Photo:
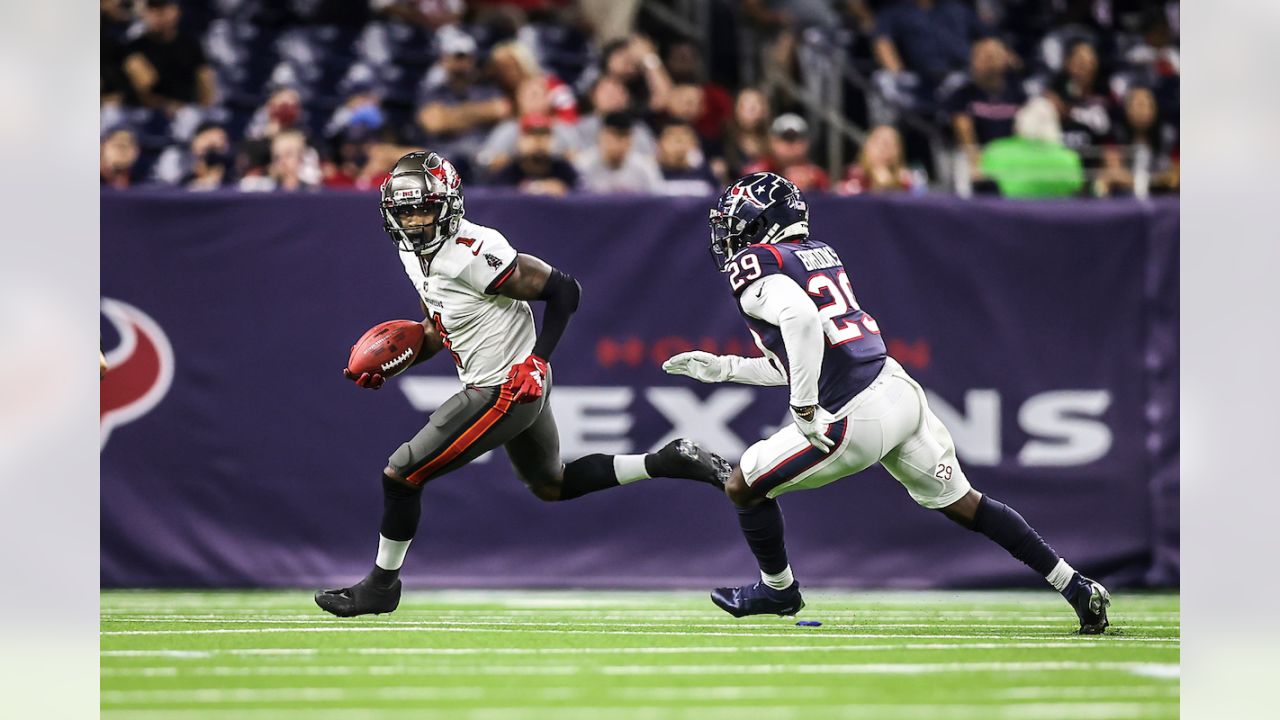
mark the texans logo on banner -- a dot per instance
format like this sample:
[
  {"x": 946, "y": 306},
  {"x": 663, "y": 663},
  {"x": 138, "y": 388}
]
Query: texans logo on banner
[{"x": 141, "y": 367}]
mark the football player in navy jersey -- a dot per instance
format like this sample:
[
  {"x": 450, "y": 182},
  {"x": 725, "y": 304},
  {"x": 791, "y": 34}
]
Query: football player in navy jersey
[{"x": 852, "y": 405}]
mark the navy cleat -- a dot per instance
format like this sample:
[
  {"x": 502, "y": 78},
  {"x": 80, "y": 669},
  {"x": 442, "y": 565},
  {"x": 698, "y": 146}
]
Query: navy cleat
[
  {"x": 758, "y": 599},
  {"x": 683, "y": 458},
  {"x": 366, "y": 597},
  {"x": 1090, "y": 601}
]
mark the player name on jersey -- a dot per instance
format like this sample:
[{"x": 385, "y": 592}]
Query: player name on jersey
[{"x": 818, "y": 258}]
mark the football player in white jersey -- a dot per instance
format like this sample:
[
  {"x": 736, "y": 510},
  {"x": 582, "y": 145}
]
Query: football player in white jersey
[
  {"x": 851, "y": 403},
  {"x": 475, "y": 289}
]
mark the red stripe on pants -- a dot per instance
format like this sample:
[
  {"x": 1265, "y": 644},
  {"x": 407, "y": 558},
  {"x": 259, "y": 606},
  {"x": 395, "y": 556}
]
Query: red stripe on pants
[{"x": 465, "y": 440}]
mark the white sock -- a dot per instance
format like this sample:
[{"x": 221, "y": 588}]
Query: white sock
[
  {"x": 781, "y": 581},
  {"x": 391, "y": 553},
  {"x": 1061, "y": 574},
  {"x": 629, "y": 468}
]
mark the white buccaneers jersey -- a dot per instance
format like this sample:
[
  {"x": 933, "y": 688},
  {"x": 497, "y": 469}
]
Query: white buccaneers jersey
[{"x": 486, "y": 332}]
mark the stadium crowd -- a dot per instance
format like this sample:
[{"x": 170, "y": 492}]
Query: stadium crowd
[{"x": 1032, "y": 98}]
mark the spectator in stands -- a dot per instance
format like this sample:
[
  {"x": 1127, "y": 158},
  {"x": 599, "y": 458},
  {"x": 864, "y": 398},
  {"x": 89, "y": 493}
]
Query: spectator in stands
[
  {"x": 1156, "y": 55},
  {"x": 880, "y": 167},
  {"x": 1072, "y": 21},
  {"x": 360, "y": 150},
  {"x": 1034, "y": 163},
  {"x": 362, "y": 106},
  {"x": 282, "y": 111},
  {"x": 1146, "y": 160},
  {"x": 531, "y": 99},
  {"x": 347, "y": 165},
  {"x": 686, "y": 103},
  {"x": 115, "y": 18},
  {"x": 1156, "y": 61},
  {"x": 537, "y": 169},
  {"x": 684, "y": 63},
  {"x": 429, "y": 14},
  {"x": 513, "y": 65},
  {"x": 613, "y": 166},
  {"x": 166, "y": 68},
  {"x": 1083, "y": 102},
  {"x": 608, "y": 96},
  {"x": 294, "y": 166},
  {"x": 458, "y": 113},
  {"x": 789, "y": 154},
  {"x": 747, "y": 137},
  {"x": 684, "y": 168},
  {"x": 119, "y": 154},
  {"x": 635, "y": 64},
  {"x": 982, "y": 109},
  {"x": 792, "y": 13},
  {"x": 210, "y": 158},
  {"x": 609, "y": 19},
  {"x": 927, "y": 37}
]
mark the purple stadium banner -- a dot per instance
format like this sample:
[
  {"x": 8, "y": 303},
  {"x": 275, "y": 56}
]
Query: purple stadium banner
[{"x": 235, "y": 454}]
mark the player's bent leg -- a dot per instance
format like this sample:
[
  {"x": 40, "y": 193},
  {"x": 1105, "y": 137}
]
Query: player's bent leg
[
  {"x": 925, "y": 463},
  {"x": 739, "y": 492},
  {"x": 1008, "y": 529},
  {"x": 763, "y": 527},
  {"x": 535, "y": 455},
  {"x": 760, "y": 519},
  {"x": 469, "y": 424}
]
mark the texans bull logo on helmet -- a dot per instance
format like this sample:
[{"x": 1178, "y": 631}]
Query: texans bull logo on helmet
[{"x": 141, "y": 367}]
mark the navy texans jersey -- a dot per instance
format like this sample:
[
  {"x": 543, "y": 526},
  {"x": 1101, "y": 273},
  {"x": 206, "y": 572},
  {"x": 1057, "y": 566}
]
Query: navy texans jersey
[{"x": 854, "y": 351}]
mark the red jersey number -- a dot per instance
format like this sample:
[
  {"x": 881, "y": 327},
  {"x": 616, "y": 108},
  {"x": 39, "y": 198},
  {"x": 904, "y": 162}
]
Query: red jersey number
[{"x": 444, "y": 337}]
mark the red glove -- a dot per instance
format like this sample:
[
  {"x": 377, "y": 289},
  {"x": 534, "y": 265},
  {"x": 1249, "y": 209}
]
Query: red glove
[
  {"x": 364, "y": 380},
  {"x": 527, "y": 379}
]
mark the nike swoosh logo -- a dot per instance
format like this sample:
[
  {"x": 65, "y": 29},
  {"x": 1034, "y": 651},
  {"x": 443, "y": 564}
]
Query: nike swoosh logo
[
  {"x": 759, "y": 291},
  {"x": 478, "y": 246}
]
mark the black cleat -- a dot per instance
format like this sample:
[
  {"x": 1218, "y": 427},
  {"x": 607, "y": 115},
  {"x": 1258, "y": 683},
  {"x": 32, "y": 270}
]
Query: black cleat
[
  {"x": 683, "y": 458},
  {"x": 364, "y": 598},
  {"x": 758, "y": 599},
  {"x": 1090, "y": 601}
]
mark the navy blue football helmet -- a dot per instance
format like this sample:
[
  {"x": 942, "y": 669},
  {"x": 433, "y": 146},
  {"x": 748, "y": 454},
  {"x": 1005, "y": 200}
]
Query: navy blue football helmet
[{"x": 759, "y": 208}]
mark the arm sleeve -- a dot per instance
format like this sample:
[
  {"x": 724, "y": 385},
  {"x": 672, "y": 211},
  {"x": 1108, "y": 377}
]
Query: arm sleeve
[
  {"x": 754, "y": 371},
  {"x": 561, "y": 294},
  {"x": 778, "y": 300}
]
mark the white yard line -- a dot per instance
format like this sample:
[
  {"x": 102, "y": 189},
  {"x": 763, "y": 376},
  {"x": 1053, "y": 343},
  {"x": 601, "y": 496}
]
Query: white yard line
[
  {"x": 503, "y": 622},
  {"x": 291, "y": 612},
  {"x": 1087, "y": 692},
  {"x": 571, "y": 669},
  {"x": 878, "y": 668},
  {"x": 762, "y": 711},
  {"x": 475, "y": 692},
  {"x": 340, "y": 628},
  {"x": 691, "y": 650}
]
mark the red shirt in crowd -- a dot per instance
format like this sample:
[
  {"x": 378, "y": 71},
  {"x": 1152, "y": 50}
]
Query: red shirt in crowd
[{"x": 807, "y": 175}]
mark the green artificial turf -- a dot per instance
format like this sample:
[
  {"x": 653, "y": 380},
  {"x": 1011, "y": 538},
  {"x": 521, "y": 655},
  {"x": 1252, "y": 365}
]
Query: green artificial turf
[{"x": 635, "y": 656}]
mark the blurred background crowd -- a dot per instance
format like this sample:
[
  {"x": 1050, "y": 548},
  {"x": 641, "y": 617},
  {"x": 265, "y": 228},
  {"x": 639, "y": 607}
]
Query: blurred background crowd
[{"x": 1022, "y": 98}]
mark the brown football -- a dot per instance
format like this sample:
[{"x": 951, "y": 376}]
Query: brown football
[{"x": 390, "y": 347}]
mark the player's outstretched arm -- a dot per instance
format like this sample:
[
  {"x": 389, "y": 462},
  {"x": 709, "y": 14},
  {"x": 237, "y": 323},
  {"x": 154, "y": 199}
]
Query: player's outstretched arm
[
  {"x": 710, "y": 368},
  {"x": 533, "y": 279}
]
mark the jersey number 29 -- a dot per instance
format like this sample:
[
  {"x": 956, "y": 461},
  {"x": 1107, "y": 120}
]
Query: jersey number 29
[
  {"x": 837, "y": 298},
  {"x": 743, "y": 271}
]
